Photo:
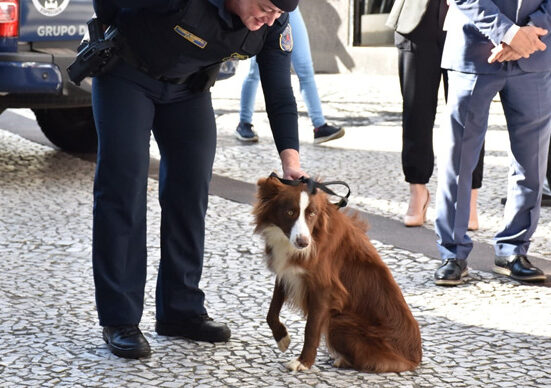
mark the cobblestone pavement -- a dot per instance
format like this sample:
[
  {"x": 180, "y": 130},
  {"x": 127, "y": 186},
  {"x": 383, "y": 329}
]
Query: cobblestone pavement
[{"x": 489, "y": 332}]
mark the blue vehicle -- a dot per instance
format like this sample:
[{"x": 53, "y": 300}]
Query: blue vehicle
[{"x": 38, "y": 40}]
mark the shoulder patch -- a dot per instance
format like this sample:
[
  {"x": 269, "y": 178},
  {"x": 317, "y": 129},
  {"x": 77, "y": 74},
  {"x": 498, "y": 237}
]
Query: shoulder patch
[{"x": 286, "y": 39}]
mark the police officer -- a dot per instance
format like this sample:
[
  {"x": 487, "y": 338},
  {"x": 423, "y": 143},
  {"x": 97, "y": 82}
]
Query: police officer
[{"x": 171, "y": 54}]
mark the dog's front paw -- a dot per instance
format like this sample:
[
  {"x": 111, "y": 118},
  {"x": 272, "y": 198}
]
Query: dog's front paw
[
  {"x": 283, "y": 343},
  {"x": 296, "y": 365}
]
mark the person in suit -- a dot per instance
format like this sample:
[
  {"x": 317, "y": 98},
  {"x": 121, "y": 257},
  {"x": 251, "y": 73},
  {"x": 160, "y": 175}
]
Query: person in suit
[
  {"x": 419, "y": 37},
  {"x": 494, "y": 46}
]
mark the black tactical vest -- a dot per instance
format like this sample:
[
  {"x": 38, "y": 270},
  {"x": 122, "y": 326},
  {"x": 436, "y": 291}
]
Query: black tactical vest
[{"x": 187, "y": 40}]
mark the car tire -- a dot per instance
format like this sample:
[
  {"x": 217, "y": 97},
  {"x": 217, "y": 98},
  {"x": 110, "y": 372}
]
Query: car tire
[{"x": 71, "y": 129}]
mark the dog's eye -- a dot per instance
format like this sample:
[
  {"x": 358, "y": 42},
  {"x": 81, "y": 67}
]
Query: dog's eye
[
  {"x": 290, "y": 212},
  {"x": 311, "y": 213}
]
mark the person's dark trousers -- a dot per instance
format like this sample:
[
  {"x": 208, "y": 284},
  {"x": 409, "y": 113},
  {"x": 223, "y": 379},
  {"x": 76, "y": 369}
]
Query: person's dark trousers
[
  {"x": 548, "y": 174},
  {"x": 127, "y": 106},
  {"x": 419, "y": 57},
  {"x": 478, "y": 172}
]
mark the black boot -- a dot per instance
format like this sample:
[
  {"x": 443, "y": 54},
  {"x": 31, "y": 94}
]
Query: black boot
[
  {"x": 199, "y": 328},
  {"x": 126, "y": 341}
]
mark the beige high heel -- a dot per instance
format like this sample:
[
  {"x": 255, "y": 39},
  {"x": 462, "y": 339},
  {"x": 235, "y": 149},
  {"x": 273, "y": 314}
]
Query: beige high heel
[{"x": 419, "y": 218}]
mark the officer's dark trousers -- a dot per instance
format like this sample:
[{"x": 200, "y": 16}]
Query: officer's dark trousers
[
  {"x": 419, "y": 57},
  {"x": 128, "y": 105}
]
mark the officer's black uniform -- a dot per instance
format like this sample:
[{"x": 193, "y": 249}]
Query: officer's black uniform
[{"x": 172, "y": 51}]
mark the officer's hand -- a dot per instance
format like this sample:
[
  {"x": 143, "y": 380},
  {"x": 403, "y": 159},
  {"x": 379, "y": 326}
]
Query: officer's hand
[
  {"x": 294, "y": 174},
  {"x": 290, "y": 161}
]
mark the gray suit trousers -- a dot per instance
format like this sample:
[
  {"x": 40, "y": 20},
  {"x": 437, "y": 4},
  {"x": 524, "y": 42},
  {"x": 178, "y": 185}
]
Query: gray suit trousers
[{"x": 526, "y": 100}]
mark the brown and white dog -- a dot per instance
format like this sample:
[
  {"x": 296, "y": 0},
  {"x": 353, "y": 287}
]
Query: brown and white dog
[{"x": 326, "y": 266}]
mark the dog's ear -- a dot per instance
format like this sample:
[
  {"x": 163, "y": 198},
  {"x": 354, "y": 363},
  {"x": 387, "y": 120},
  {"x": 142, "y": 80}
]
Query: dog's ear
[
  {"x": 268, "y": 188},
  {"x": 322, "y": 220}
]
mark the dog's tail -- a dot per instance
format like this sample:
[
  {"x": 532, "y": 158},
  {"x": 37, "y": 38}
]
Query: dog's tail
[{"x": 369, "y": 347}]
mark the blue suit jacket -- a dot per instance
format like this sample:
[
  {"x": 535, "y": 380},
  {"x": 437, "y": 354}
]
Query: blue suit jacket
[{"x": 479, "y": 25}]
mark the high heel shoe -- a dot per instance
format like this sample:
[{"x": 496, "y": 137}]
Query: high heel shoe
[{"x": 419, "y": 218}]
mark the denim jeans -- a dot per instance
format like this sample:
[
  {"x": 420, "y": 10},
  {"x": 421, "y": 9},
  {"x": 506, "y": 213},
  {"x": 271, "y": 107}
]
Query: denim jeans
[{"x": 301, "y": 60}]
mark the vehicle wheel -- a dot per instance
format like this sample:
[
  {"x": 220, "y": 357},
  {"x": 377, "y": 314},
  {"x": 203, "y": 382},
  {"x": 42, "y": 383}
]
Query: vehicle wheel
[{"x": 71, "y": 129}]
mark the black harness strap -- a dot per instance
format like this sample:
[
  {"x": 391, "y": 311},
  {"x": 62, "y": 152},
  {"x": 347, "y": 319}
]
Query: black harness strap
[{"x": 313, "y": 185}]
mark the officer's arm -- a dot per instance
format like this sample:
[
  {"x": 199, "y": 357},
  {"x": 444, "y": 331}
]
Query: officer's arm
[
  {"x": 275, "y": 74},
  {"x": 274, "y": 62}
]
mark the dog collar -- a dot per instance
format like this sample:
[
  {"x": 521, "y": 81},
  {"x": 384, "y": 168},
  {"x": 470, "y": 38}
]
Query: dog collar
[{"x": 313, "y": 185}]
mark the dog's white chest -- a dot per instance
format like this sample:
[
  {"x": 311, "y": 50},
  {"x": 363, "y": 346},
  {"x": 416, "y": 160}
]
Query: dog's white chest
[
  {"x": 293, "y": 282},
  {"x": 289, "y": 274}
]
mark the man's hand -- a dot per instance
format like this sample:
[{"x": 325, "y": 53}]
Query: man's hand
[
  {"x": 527, "y": 40},
  {"x": 290, "y": 161},
  {"x": 503, "y": 53}
]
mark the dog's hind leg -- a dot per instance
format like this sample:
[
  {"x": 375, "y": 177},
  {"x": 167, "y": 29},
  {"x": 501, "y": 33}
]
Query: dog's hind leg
[
  {"x": 364, "y": 348},
  {"x": 372, "y": 355},
  {"x": 279, "y": 331},
  {"x": 340, "y": 362}
]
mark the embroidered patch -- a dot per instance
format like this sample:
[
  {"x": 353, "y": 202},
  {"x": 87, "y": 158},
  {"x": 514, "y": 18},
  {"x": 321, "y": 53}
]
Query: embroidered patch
[
  {"x": 286, "y": 39},
  {"x": 190, "y": 37}
]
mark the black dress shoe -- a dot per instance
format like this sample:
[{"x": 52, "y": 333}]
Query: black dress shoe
[
  {"x": 451, "y": 273},
  {"x": 126, "y": 341},
  {"x": 519, "y": 268},
  {"x": 199, "y": 328}
]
